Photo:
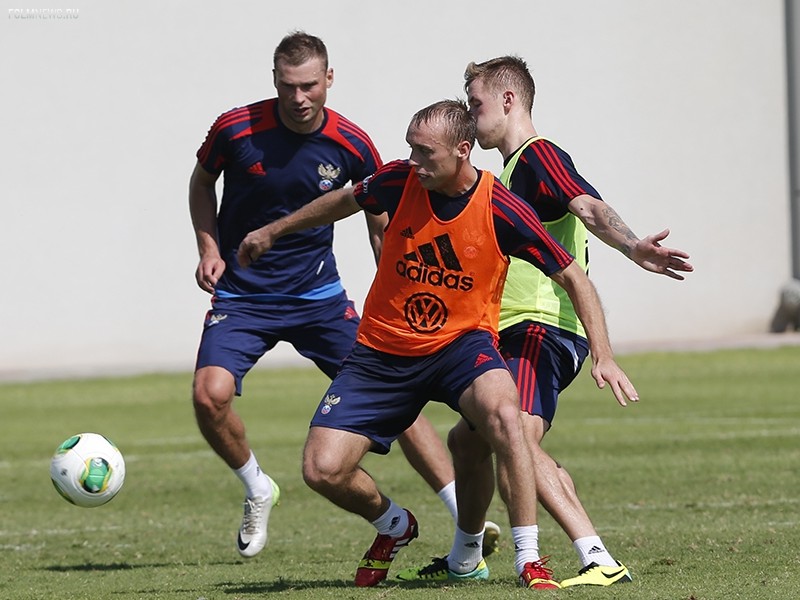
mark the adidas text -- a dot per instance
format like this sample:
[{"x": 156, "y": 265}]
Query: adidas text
[{"x": 434, "y": 277}]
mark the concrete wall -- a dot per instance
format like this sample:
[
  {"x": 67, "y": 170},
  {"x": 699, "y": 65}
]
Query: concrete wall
[{"x": 674, "y": 110}]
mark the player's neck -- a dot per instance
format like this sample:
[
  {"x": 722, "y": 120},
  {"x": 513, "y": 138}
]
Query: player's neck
[
  {"x": 463, "y": 181},
  {"x": 518, "y": 132},
  {"x": 304, "y": 127}
]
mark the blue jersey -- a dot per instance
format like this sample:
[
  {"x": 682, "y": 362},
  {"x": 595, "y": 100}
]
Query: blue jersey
[
  {"x": 518, "y": 229},
  {"x": 271, "y": 171}
]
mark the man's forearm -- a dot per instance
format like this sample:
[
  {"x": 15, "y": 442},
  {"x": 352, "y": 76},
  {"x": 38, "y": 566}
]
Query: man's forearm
[
  {"x": 331, "y": 207},
  {"x": 203, "y": 211},
  {"x": 604, "y": 223},
  {"x": 588, "y": 307}
]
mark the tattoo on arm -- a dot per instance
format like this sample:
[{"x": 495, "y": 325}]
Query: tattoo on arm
[{"x": 615, "y": 222}]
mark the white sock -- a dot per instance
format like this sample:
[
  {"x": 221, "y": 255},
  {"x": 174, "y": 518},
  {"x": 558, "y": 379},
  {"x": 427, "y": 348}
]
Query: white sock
[
  {"x": 448, "y": 496},
  {"x": 526, "y": 545},
  {"x": 393, "y": 522},
  {"x": 590, "y": 549},
  {"x": 466, "y": 552},
  {"x": 256, "y": 483}
]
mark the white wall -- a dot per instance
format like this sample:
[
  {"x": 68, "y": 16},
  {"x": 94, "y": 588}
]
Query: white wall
[{"x": 675, "y": 111}]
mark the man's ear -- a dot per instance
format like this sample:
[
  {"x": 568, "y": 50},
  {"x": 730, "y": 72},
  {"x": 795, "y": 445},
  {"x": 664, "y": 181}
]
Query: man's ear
[
  {"x": 509, "y": 98},
  {"x": 463, "y": 150}
]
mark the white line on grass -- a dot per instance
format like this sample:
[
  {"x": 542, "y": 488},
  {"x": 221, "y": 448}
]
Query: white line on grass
[
  {"x": 713, "y": 505},
  {"x": 60, "y": 531},
  {"x": 129, "y": 458}
]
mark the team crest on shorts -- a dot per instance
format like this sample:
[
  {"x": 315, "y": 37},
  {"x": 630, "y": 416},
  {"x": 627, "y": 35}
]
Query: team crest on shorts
[
  {"x": 216, "y": 318},
  {"x": 329, "y": 402},
  {"x": 328, "y": 174}
]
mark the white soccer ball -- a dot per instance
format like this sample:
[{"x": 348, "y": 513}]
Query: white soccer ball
[{"x": 87, "y": 470}]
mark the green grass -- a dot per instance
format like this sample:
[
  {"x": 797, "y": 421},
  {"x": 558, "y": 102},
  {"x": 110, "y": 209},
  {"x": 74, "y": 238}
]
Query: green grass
[{"x": 696, "y": 489}]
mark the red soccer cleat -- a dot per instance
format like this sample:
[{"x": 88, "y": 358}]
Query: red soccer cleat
[
  {"x": 374, "y": 567},
  {"x": 535, "y": 576}
]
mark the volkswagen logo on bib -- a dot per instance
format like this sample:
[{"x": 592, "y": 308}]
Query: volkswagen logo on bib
[{"x": 425, "y": 313}]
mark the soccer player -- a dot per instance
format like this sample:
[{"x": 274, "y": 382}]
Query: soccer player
[
  {"x": 541, "y": 337},
  {"x": 277, "y": 155},
  {"x": 429, "y": 331}
]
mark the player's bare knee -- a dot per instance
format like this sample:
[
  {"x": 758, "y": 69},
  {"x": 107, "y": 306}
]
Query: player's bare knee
[
  {"x": 211, "y": 398},
  {"x": 454, "y": 443},
  {"x": 210, "y": 407},
  {"x": 321, "y": 471},
  {"x": 503, "y": 425},
  {"x": 312, "y": 476},
  {"x": 467, "y": 446}
]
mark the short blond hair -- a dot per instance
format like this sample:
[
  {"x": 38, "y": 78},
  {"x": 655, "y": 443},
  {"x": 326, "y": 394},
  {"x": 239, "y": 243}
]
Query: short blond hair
[{"x": 504, "y": 72}]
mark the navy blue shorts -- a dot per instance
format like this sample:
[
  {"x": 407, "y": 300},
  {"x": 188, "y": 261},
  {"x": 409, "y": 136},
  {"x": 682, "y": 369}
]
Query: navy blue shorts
[
  {"x": 543, "y": 360},
  {"x": 238, "y": 332},
  {"x": 380, "y": 395}
]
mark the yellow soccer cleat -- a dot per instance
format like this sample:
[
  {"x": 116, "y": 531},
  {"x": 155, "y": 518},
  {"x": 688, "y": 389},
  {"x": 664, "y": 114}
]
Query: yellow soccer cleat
[
  {"x": 594, "y": 574},
  {"x": 491, "y": 539}
]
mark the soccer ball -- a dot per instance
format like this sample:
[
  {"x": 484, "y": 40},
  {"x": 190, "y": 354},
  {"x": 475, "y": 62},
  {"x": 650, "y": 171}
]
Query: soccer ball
[{"x": 87, "y": 470}]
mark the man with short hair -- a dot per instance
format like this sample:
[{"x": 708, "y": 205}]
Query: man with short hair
[
  {"x": 277, "y": 155},
  {"x": 429, "y": 331},
  {"x": 541, "y": 336}
]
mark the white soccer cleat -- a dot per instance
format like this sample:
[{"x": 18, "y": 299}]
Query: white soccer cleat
[{"x": 253, "y": 533}]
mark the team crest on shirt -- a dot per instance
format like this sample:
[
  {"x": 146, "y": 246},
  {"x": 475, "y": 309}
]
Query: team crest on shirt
[
  {"x": 327, "y": 173},
  {"x": 329, "y": 402}
]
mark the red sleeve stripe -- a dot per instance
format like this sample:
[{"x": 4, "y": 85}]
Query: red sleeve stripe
[
  {"x": 259, "y": 122},
  {"x": 237, "y": 115},
  {"x": 232, "y": 117},
  {"x": 503, "y": 196},
  {"x": 369, "y": 202},
  {"x": 555, "y": 168},
  {"x": 393, "y": 174},
  {"x": 202, "y": 153},
  {"x": 497, "y": 212},
  {"x": 332, "y": 130},
  {"x": 534, "y": 251},
  {"x": 397, "y": 169},
  {"x": 517, "y": 206},
  {"x": 355, "y": 130}
]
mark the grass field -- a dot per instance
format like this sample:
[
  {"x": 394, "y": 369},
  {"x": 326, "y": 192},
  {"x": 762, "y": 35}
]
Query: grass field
[{"x": 696, "y": 489}]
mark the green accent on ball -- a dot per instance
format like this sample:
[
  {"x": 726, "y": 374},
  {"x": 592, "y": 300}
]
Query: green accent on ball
[
  {"x": 95, "y": 476},
  {"x": 61, "y": 492},
  {"x": 68, "y": 444}
]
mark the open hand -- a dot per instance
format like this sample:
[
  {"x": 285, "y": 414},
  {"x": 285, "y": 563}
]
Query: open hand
[
  {"x": 649, "y": 254},
  {"x": 608, "y": 371}
]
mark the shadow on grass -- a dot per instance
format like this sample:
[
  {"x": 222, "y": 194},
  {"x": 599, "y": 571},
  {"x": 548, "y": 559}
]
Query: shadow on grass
[
  {"x": 281, "y": 585},
  {"x": 120, "y": 566},
  {"x": 96, "y": 567},
  {"x": 288, "y": 585}
]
